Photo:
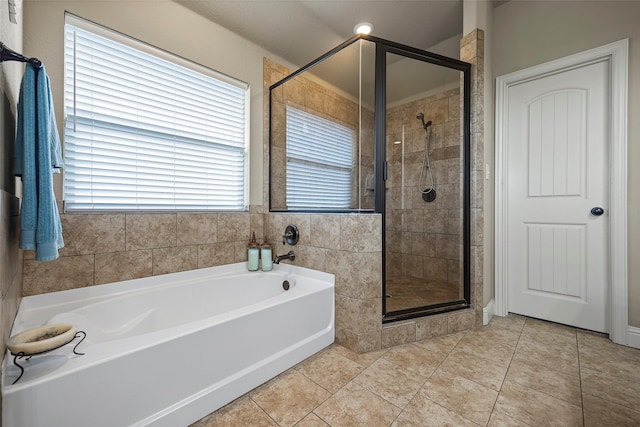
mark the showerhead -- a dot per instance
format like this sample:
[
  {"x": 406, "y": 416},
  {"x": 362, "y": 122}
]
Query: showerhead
[{"x": 420, "y": 116}]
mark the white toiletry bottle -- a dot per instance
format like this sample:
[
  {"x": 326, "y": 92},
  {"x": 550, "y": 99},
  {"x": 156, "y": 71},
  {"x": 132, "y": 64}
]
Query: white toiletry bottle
[
  {"x": 253, "y": 254},
  {"x": 266, "y": 252}
]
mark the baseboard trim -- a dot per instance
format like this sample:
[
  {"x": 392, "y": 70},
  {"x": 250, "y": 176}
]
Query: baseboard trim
[
  {"x": 489, "y": 311},
  {"x": 633, "y": 337}
]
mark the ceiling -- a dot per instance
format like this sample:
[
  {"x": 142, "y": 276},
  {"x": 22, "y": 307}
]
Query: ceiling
[{"x": 301, "y": 30}]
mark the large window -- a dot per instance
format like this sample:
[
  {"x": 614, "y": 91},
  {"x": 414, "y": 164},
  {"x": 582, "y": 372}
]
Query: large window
[
  {"x": 148, "y": 131},
  {"x": 319, "y": 162}
]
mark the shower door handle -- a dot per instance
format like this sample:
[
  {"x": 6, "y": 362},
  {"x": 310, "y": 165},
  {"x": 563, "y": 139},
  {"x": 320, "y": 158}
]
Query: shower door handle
[{"x": 597, "y": 211}]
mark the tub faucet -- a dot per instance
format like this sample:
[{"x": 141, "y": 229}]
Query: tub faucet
[{"x": 291, "y": 256}]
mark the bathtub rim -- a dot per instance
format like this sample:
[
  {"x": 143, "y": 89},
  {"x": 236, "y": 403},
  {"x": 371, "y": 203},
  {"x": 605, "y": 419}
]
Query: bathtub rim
[{"x": 95, "y": 293}]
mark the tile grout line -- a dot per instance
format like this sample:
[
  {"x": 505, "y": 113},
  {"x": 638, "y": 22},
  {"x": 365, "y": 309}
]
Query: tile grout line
[
  {"x": 507, "y": 373},
  {"x": 443, "y": 360},
  {"x": 262, "y": 409},
  {"x": 419, "y": 388},
  {"x": 580, "y": 380}
]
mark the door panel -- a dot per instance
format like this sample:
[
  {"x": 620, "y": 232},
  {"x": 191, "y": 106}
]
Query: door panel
[{"x": 557, "y": 172}]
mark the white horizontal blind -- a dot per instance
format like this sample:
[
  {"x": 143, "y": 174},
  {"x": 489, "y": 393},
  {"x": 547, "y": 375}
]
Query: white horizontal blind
[
  {"x": 319, "y": 162},
  {"x": 145, "y": 134}
]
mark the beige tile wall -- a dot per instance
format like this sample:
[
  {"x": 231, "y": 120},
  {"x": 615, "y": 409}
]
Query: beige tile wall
[
  {"x": 424, "y": 239},
  {"x": 472, "y": 51},
  {"x": 104, "y": 248}
]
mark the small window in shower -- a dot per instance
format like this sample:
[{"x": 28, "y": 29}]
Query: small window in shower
[{"x": 319, "y": 158}]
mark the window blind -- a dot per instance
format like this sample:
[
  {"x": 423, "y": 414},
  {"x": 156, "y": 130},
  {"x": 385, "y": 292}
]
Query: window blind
[
  {"x": 319, "y": 162},
  {"x": 143, "y": 133}
]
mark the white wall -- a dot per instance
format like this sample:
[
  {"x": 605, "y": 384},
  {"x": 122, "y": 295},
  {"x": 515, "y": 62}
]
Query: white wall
[
  {"x": 166, "y": 25},
  {"x": 526, "y": 33}
]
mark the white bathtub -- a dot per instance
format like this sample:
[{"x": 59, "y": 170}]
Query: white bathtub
[{"x": 166, "y": 350}]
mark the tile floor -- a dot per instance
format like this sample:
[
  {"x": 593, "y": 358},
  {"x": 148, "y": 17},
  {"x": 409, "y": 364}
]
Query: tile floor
[{"x": 515, "y": 372}]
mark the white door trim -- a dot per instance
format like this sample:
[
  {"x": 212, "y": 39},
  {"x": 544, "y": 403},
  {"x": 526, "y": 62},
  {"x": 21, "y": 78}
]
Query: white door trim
[{"x": 617, "y": 55}]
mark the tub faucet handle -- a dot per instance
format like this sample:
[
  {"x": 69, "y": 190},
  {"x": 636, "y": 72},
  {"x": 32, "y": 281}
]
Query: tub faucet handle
[{"x": 291, "y": 235}]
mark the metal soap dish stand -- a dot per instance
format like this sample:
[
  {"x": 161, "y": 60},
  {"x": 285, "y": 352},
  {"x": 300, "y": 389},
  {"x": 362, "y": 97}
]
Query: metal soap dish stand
[{"x": 27, "y": 357}]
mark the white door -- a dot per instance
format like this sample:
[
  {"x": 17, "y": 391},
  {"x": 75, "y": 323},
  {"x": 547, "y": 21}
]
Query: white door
[{"x": 557, "y": 172}]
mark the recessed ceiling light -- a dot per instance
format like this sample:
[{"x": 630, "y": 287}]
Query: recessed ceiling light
[{"x": 363, "y": 28}]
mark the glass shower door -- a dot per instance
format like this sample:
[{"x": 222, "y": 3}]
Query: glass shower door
[{"x": 424, "y": 203}]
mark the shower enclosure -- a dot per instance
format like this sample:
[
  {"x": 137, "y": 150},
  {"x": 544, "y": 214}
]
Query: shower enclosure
[{"x": 376, "y": 126}]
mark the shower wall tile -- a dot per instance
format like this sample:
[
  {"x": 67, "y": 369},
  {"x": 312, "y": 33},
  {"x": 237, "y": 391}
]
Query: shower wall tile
[
  {"x": 477, "y": 226},
  {"x": 352, "y": 281},
  {"x": 448, "y": 246},
  {"x": 279, "y": 199},
  {"x": 294, "y": 91},
  {"x": 234, "y": 227},
  {"x": 172, "y": 260},
  {"x": 276, "y": 223},
  {"x": 325, "y": 231},
  {"x": 455, "y": 105},
  {"x": 477, "y": 189},
  {"x": 360, "y": 233},
  {"x": 175, "y": 242},
  {"x": 453, "y": 172},
  {"x": 454, "y": 225},
  {"x": 61, "y": 274},
  {"x": 359, "y": 343},
  {"x": 430, "y": 327},
  {"x": 279, "y": 163},
  {"x": 359, "y": 315},
  {"x": 303, "y": 222},
  {"x": 147, "y": 231},
  {"x": 412, "y": 220},
  {"x": 454, "y": 270},
  {"x": 315, "y": 97},
  {"x": 460, "y": 321},
  {"x": 477, "y": 151},
  {"x": 477, "y": 254},
  {"x": 279, "y": 113},
  {"x": 216, "y": 254},
  {"x": 449, "y": 195},
  {"x": 312, "y": 257},
  {"x": 397, "y": 334},
  {"x": 88, "y": 234},
  {"x": 196, "y": 228},
  {"x": 438, "y": 110},
  {"x": 117, "y": 266},
  {"x": 468, "y": 49},
  {"x": 240, "y": 251},
  {"x": 256, "y": 221},
  {"x": 436, "y": 269},
  {"x": 452, "y": 133},
  {"x": 394, "y": 263},
  {"x": 412, "y": 266}
]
